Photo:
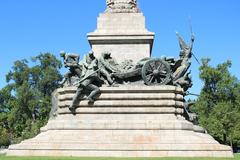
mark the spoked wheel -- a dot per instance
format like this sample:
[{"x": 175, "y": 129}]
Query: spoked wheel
[{"x": 156, "y": 72}]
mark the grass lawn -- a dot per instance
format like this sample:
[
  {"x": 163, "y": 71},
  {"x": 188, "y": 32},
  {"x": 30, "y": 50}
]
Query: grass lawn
[{"x": 2, "y": 157}]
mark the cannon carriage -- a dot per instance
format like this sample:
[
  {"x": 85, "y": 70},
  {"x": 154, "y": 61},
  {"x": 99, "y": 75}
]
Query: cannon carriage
[{"x": 153, "y": 71}]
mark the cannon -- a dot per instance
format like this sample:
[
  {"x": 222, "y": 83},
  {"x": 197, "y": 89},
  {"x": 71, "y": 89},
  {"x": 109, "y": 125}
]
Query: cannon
[{"x": 153, "y": 71}]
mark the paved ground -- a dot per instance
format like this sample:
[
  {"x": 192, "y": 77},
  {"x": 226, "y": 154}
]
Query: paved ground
[{"x": 3, "y": 151}]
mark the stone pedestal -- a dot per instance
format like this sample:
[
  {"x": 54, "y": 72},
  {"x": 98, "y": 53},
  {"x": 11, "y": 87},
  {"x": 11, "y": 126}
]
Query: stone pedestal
[
  {"x": 122, "y": 34},
  {"x": 127, "y": 121}
]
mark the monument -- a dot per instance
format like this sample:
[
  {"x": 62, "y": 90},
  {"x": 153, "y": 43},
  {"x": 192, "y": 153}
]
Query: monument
[{"x": 124, "y": 108}]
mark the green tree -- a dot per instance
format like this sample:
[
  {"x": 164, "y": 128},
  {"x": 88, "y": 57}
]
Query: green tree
[
  {"x": 26, "y": 101},
  {"x": 218, "y": 105}
]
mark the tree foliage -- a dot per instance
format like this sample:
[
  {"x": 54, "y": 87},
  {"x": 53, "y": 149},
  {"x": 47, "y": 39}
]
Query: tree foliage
[
  {"x": 218, "y": 105},
  {"x": 26, "y": 101}
]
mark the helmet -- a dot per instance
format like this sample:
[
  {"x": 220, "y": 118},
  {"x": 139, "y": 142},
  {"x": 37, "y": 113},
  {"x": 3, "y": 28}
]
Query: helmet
[
  {"x": 62, "y": 53},
  {"x": 91, "y": 52}
]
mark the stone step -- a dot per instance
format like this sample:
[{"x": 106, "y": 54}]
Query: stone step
[
  {"x": 106, "y": 153},
  {"x": 122, "y": 110},
  {"x": 117, "y": 117},
  {"x": 126, "y": 103},
  {"x": 78, "y": 142},
  {"x": 71, "y": 125},
  {"x": 119, "y": 139},
  {"x": 128, "y": 96},
  {"x": 121, "y": 147},
  {"x": 130, "y": 89}
]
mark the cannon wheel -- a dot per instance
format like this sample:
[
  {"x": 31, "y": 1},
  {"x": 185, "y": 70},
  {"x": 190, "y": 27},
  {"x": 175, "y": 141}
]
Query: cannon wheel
[{"x": 156, "y": 72}]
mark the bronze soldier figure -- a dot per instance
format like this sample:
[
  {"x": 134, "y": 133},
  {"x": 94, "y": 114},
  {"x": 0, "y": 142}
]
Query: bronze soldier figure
[
  {"x": 89, "y": 76},
  {"x": 70, "y": 61},
  {"x": 106, "y": 69}
]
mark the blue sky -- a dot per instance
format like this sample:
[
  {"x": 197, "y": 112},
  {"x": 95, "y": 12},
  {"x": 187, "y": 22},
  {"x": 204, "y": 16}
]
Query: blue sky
[{"x": 29, "y": 27}]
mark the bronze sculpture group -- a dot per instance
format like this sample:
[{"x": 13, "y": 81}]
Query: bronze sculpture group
[{"x": 91, "y": 72}]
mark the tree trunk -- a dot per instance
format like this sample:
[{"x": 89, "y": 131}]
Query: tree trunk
[
  {"x": 224, "y": 138},
  {"x": 231, "y": 144}
]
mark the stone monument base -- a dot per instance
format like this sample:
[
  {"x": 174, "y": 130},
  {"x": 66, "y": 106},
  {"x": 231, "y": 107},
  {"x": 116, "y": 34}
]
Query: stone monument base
[
  {"x": 124, "y": 122},
  {"x": 123, "y": 35}
]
